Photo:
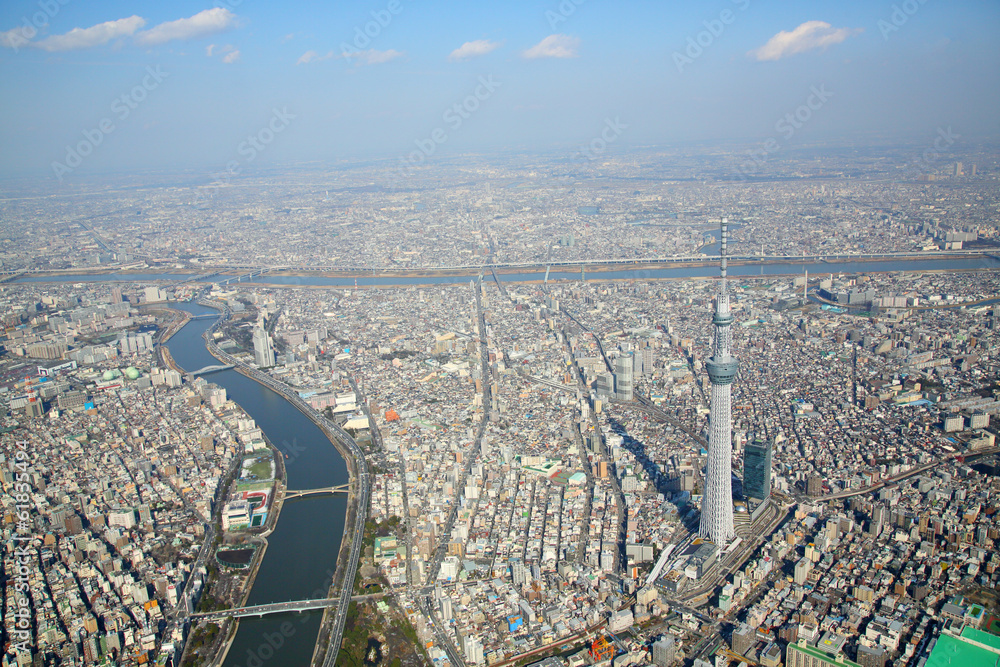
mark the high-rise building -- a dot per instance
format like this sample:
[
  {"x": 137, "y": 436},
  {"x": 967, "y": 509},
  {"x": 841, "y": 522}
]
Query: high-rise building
[
  {"x": 664, "y": 651},
  {"x": 802, "y": 569},
  {"x": 623, "y": 378},
  {"x": 814, "y": 485},
  {"x": 757, "y": 469},
  {"x": 744, "y": 638},
  {"x": 717, "y": 499},
  {"x": 263, "y": 350},
  {"x": 879, "y": 515},
  {"x": 473, "y": 648}
]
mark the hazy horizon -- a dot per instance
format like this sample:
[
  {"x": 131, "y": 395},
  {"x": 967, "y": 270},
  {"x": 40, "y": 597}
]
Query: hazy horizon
[{"x": 191, "y": 86}]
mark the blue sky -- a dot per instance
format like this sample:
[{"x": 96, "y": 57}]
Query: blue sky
[{"x": 154, "y": 85}]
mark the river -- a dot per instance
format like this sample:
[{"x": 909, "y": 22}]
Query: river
[
  {"x": 561, "y": 273},
  {"x": 302, "y": 551}
]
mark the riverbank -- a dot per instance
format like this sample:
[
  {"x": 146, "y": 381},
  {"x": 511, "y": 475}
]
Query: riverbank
[
  {"x": 230, "y": 628},
  {"x": 346, "y": 564},
  {"x": 436, "y": 274}
]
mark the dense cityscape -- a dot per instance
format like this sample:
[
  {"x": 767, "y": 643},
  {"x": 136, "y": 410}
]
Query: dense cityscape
[{"x": 526, "y": 457}]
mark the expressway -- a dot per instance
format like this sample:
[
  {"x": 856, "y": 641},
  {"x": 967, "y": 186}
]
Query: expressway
[
  {"x": 892, "y": 480},
  {"x": 621, "y": 518}
]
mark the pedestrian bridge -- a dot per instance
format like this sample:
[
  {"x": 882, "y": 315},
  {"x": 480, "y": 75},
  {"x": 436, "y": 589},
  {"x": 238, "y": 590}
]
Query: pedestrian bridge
[{"x": 301, "y": 493}]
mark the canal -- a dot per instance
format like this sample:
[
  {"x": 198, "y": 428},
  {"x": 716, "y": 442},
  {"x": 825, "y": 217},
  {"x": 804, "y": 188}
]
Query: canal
[{"x": 302, "y": 551}]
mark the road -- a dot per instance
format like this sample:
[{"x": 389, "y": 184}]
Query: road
[
  {"x": 424, "y": 599},
  {"x": 892, "y": 480},
  {"x": 621, "y": 517}
]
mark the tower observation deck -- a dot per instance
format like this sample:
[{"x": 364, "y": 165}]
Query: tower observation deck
[{"x": 717, "y": 499}]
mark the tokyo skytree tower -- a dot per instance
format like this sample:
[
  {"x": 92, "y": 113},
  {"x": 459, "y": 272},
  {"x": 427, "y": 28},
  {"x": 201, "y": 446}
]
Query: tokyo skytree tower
[{"x": 717, "y": 499}]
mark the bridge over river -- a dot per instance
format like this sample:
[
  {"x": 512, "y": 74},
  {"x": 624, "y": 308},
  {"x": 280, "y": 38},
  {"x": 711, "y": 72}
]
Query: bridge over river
[
  {"x": 280, "y": 607},
  {"x": 301, "y": 493}
]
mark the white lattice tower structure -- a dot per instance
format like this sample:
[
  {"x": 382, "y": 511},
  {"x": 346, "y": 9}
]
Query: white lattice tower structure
[{"x": 717, "y": 499}]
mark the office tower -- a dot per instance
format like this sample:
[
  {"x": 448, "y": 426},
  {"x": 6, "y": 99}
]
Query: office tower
[
  {"x": 757, "y": 469},
  {"x": 623, "y": 378},
  {"x": 744, "y": 639},
  {"x": 605, "y": 385},
  {"x": 263, "y": 351},
  {"x": 879, "y": 515},
  {"x": 717, "y": 500},
  {"x": 802, "y": 569},
  {"x": 664, "y": 651},
  {"x": 814, "y": 485}
]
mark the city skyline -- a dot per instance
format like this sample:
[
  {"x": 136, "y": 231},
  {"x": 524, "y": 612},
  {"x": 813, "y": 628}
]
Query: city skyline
[{"x": 549, "y": 332}]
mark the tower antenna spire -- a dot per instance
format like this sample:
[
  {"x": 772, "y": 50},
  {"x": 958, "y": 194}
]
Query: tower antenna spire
[{"x": 717, "y": 501}]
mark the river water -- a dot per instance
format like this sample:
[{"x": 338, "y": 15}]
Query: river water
[
  {"x": 561, "y": 273},
  {"x": 302, "y": 551}
]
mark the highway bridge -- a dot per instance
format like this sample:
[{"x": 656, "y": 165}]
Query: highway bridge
[
  {"x": 271, "y": 608},
  {"x": 302, "y": 493},
  {"x": 249, "y": 276},
  {"x": 211, "y": 369}
]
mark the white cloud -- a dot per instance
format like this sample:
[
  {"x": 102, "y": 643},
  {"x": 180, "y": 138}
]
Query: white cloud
[
  {"x": 808, "y": 36},
  {"x": 554, "y": 46},
  {"x": 313, "y": 57},
  {"x": 480, "y": 47},
  {"x": 231, "y": 57},
  {"x": 84, "y": 38},
  {"x": 202, "y": 24},
  {"x": 209, "y": 49},
  {"x": 373, "y": 56},
  {"x": 15, "y": 38}
]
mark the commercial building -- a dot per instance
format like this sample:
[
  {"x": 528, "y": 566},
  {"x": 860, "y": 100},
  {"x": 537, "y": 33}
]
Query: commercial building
[
  {"x": 801, "y": 654},
  {"x": 757, "y": 470},
  {"x": 664, "y": 651},
  {"x": 263, "y": 350}
]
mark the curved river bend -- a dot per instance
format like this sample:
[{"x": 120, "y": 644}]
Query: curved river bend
[{"x": 302, "y": 551}]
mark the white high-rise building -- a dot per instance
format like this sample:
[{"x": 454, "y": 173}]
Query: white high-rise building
[
  {"x": 717, "y": 500},
  {"x": 263, "y": 350}
]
